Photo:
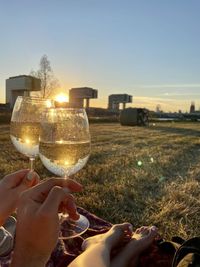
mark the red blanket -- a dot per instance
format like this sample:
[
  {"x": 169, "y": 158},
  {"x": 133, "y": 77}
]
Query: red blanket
[{"x": 66, "y": 251}]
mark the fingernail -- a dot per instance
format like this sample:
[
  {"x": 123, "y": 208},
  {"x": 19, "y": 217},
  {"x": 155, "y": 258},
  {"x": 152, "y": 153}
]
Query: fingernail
[
  {"x": 30, "y": 175},
  {"x": 74, "y": 216},
  {"x": 77, "y": 216},
  {"x": 71, "y": 205},
  {"x": 66, "y": 190}
]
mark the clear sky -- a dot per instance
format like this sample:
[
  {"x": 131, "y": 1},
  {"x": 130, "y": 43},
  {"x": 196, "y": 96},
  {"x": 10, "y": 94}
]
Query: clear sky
[{"x": 147, "y": 48}]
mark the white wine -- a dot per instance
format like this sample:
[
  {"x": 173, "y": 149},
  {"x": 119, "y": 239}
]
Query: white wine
[
  {"x": 64, "y": 149},
  {"x": 64, "y": 158},
  {"x": 25, "y": 137}
]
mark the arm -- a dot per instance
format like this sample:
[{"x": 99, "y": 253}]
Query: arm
[
  {"x": 38, "y": 222},
  {"x": 11, "y": 187}
]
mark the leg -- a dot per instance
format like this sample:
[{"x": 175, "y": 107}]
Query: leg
[
  {"x": 141, "y": 240},
  {"x": 97, "y": 249}
]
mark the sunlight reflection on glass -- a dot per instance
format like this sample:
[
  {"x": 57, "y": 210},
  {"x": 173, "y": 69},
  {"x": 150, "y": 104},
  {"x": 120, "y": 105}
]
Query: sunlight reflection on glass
[{"x": 27, "y": 141}]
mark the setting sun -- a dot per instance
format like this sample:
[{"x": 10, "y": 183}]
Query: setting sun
[{"x": 62, "y": 98}]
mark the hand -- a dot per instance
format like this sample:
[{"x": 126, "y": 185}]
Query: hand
[
  {"x": 38, "y": 222},
  {"x": 11, "y": 187}
]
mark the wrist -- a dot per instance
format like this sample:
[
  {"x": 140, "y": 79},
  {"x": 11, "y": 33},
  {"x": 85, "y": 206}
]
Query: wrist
[{"x": 23, "y": 257}]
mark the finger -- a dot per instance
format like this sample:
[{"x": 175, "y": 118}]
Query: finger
[
  {"x": 14, "y": 179},
  {"x": 40, "y": 191},
  {"x": 55, "y": 197},
  {"x": 70, "y": 208},
  {"x": 71, "y": 184},
  {"x": 30, "y": 179}
]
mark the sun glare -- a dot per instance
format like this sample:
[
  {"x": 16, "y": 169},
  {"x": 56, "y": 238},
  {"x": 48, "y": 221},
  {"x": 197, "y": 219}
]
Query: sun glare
[{"x": 62, "y": 98}]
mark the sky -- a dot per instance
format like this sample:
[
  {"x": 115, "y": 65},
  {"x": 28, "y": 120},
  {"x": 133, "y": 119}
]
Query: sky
[{"x": 149, "y": 49}]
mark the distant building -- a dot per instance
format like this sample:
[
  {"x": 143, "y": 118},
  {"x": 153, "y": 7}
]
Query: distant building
[
  {"x": 158, "y": 108},
  {"x": 115, "y": 100},
  {"x": 192, "y": 107},
  {"x": 19, "y": 86},
  {"x": 78, "y": 95}
]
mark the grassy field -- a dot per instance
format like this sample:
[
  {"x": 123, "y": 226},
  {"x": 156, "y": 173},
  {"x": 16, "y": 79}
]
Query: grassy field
[{"x": 142, "y": 175}]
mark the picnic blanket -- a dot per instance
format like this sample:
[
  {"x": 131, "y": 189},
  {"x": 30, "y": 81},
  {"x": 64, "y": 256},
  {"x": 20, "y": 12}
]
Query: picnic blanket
[{"x": 160, "y": 253}]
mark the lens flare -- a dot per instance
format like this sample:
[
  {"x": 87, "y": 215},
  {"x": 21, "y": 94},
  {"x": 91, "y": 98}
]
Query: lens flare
[
  {"x": 48, "y": 104},
  {"x": 139, "y": 163}
]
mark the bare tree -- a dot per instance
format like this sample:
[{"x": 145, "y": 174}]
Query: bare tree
[{"x": 45, "y": 73}]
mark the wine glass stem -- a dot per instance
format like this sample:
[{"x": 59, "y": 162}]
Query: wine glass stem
[{"x": 32, "y": 163}]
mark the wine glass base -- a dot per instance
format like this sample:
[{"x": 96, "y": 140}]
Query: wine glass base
[{"x": 70, "y": 228}]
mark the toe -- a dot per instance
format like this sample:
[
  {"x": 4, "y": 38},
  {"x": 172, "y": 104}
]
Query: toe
[
  {"x": 137, "y": 231},
  {"x": 121, "y": 229},
  {"x": 141, "y": 229},
  {"x": 153, "y": 231},
  {"x": 145, "y": 231},
  {"x": 118, "y": 233}
]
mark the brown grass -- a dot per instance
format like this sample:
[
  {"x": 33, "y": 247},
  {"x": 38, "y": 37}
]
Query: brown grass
[{"x": 163, "y": 191}]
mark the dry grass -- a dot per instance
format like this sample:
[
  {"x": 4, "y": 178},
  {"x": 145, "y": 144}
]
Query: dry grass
[{"x": 163, "y": 191}]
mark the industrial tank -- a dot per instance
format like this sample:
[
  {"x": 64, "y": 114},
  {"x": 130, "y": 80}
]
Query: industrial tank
[{"x": 134, "y": 117}]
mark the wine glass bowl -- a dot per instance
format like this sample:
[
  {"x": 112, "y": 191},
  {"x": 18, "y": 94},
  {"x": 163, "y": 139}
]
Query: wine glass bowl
[
  {"x": 25, "y": 125},
  {"x": 64, "y": 149},
  {"x": 64, "y": 140}
]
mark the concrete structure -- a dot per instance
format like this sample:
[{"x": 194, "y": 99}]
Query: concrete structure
[
  {"x": 19, "y": 86},
  {"x": 77, "y": 96},
  {"x": 115, "y": 100}
]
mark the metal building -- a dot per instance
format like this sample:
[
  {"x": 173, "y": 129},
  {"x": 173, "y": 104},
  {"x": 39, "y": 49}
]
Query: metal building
[
  {"x": 19, "y": 86},
  {"x": 78, "y": 95},
  {"x": 115, "y": 100}
]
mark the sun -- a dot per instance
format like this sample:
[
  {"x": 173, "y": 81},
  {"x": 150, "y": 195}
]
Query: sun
[{"x": 62, "y": 98}]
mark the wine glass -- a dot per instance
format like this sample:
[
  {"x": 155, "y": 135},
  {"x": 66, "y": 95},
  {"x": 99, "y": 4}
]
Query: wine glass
[
  {"x": 64, "y": 149},
  {"x": 25, "y": 125}
]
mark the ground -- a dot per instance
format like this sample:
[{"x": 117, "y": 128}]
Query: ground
[{"x": 144, "y": 175}]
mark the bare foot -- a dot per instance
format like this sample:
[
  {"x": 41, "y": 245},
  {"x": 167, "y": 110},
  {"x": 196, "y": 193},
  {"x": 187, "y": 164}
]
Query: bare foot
[
  {"x": 113, "y": 237},
  {"x": 97, "y": 249},
  {"x": 144, "y": 237},
  {"x": 141, "y": 240}
]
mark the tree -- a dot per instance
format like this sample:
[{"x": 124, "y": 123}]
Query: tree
[{"x": 45, "y": 73}]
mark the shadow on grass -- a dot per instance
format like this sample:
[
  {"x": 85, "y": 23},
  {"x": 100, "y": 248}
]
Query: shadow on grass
[{"x": 174, "y": 130}]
